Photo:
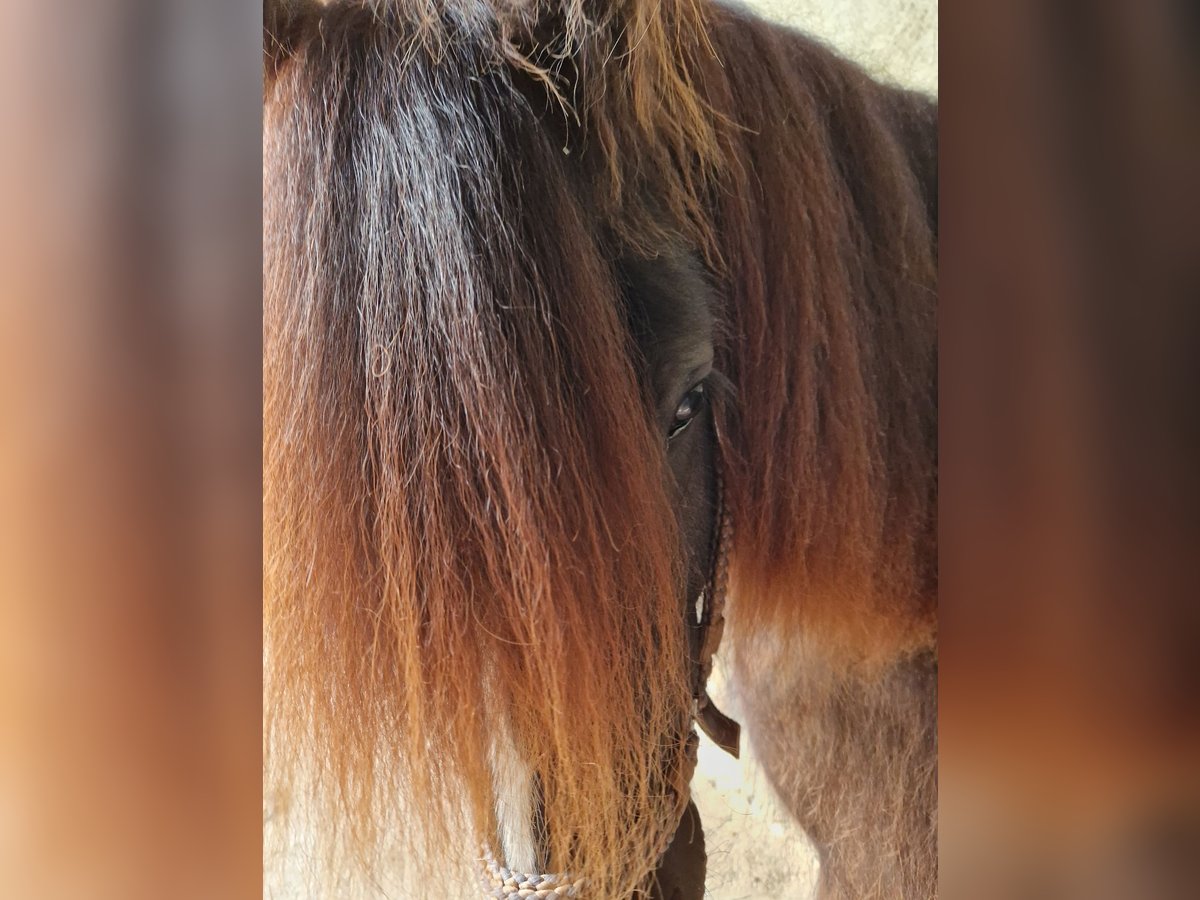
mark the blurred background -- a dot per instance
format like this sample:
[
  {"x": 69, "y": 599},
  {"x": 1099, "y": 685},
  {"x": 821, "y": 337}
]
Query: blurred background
[{"x": 130, "y": 284}]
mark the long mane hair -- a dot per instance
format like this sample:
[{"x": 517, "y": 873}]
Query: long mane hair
[{"x": 468, "y": 537}]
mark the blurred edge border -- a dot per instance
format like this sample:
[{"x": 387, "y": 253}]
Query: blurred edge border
[{"x": 1070, "y": 509}]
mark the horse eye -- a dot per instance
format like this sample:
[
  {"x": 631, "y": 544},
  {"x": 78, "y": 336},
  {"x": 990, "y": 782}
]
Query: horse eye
[{"x": 689, "y": 407}]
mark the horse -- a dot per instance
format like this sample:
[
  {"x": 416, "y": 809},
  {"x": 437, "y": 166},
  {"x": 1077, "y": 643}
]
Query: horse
[{"x": 579, "y": 315}]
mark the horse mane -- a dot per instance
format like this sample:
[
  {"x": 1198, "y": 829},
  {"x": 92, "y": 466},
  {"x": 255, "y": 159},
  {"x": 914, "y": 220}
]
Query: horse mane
[
  {"x": 468, "y": 539},
  {"x": 829, "y": 230}
]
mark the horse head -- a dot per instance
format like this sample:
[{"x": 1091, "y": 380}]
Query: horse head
[{"x": 548, "y": 297}]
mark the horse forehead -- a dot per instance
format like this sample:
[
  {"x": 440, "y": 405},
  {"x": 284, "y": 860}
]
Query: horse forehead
[{"x": 671, "y": 309}]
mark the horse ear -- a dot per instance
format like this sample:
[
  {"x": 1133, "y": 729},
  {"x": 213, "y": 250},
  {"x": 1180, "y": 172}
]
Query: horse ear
[{"x": 283, "y": 23}]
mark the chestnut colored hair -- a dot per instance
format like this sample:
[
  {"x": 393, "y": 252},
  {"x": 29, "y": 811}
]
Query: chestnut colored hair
[{"x": 468, "y": 538}]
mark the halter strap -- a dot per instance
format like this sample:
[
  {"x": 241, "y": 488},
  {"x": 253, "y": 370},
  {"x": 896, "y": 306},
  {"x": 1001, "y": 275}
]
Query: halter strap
[
  {"x": 710, "y": 627},
  {"x": 500, "y": 882}
]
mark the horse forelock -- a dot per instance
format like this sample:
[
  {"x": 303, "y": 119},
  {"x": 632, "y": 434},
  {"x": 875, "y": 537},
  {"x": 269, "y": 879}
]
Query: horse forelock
[
  {"x": 466, "y": 519},
  {"x": 620, "y": 83}
]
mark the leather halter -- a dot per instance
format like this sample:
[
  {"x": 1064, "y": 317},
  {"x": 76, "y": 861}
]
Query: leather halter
[
  {"x": 709, "y": 626},
  {"x": 705, "y": 630}
]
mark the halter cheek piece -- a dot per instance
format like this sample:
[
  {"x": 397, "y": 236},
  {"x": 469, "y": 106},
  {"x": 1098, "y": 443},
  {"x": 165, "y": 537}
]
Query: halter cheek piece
[
  {"x": 710, "y": 627},
  {"x": 705, "y": 631}
]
